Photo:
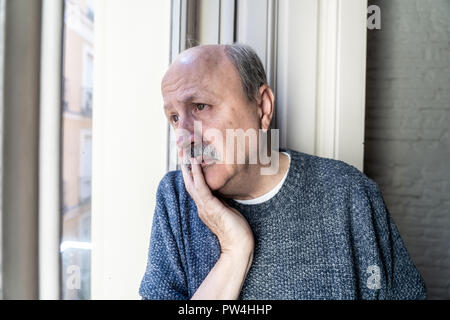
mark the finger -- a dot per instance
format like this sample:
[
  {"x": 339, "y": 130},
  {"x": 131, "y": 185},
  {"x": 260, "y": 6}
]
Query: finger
[
  {"x": 187, "y": 177},
  {"x": 199, "y": 180}
]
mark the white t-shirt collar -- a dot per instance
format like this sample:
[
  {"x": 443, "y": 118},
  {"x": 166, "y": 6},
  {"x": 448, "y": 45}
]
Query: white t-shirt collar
[{"x": 269, "y": 195}]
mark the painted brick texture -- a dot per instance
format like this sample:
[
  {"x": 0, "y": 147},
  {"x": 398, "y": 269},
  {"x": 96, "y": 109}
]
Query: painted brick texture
[{"x": 407, "y": 138}]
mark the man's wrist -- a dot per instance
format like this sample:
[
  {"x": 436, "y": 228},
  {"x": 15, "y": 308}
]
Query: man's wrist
[{"x": 240, "y": 255}]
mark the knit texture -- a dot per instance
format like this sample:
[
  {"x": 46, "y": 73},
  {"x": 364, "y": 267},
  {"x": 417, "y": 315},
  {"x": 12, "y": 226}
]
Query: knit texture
[{"x": 327, "y": 234}]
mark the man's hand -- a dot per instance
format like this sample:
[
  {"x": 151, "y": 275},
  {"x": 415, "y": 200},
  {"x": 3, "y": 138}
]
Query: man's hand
[
  {"x": 225, "y": 222},
  {"x": 233, "y": 231}
]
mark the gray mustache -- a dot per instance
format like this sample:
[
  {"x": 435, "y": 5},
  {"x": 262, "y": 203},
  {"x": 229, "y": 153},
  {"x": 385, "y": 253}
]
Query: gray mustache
[{"x": 194, "y": 151}]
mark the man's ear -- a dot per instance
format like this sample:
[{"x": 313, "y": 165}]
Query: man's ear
[{"x": 265, "y": 106}]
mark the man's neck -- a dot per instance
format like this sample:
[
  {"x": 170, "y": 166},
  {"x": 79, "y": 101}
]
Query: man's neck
[{"x": 251, "y": 184}]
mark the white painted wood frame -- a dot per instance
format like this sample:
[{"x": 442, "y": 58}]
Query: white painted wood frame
[
  {"x": 129, "y": 132},
  {"x": 341, "y": 79},
  {"x": 320, "y": 85},
  {"x": 50, "y": 149}
]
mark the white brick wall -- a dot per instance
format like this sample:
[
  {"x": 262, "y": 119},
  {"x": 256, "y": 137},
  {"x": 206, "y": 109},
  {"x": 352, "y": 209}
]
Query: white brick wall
[{"x": 407, "y": 141}]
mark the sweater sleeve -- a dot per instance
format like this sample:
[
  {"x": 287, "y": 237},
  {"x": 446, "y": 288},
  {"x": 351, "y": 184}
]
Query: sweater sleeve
[
  {"x": 385, "y": 269},
  {"x": 164, "y": 277}
]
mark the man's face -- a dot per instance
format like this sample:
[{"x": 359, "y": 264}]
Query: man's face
[{"x": 203, "y": 86}]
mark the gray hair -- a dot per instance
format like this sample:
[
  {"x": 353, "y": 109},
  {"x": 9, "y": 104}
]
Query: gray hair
[{"x": 249, "y": 67}]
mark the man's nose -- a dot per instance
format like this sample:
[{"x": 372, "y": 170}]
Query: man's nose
[
  {"x": 186, "y": 135},
  {"x": 184, "y": 138}
]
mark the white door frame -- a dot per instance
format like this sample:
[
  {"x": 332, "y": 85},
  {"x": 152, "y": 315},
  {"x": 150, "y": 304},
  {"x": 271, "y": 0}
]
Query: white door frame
[
  {"x": 341, "y": 79},
  {"x": 321, "y": 76}
]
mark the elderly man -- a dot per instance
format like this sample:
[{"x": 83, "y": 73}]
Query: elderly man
[{"x": 315, "y": 228}]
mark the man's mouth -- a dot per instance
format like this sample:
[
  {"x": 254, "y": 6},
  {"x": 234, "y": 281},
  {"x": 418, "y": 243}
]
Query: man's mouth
[
  {"x": 208, "y": 162},
  {"x": 206, "y": 153},
  {"x": 204, "y": 164}
]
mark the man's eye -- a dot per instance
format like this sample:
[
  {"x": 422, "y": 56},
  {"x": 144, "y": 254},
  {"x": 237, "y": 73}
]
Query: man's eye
[
  {"x": 174, "y": 118},
  {"x": 200, "y": 106}
]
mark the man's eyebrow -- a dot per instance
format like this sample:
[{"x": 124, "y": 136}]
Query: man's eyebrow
[
  {"x": 189, "y": 98},
  {"x": 192, "y": 97}
]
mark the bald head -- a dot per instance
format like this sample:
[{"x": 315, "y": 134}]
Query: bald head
[
  {"x": 203, "y": 70},
  {"x": 204, "y": 61},
  {"x": 242, "y": 58},
  {"x": 211, "y": 55}
]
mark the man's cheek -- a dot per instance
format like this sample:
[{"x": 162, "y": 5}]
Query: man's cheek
[{"x": 215, "y": 137}]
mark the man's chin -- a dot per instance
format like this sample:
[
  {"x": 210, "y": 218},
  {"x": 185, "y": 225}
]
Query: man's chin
[{"x": 215, "y": 176}]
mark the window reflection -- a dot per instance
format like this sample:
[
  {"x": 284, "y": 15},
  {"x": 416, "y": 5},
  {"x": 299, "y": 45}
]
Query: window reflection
[{"x": 77, "y": 148}]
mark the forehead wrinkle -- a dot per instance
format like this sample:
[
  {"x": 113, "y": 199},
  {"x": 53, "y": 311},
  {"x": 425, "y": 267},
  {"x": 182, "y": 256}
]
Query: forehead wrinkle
[
  {"x": 183, "y": 81},
  {"x": 170, "y": 88},
  {"x": 193, "y": 95},
  {"x": 190, "y": 80},
  {"x": 167, "y": 85},
  {"x": 188, "y": 98}
]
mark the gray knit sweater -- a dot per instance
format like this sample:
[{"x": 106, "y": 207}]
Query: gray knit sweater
[{"x": 326, "y": 234}]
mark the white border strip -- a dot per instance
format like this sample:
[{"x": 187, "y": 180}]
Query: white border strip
[
  {"x": 328, "y": 33},
  {"x": 49, "y": 149}
]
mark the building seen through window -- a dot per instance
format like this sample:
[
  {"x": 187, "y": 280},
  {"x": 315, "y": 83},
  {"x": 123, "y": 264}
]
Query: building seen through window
[{"x": 77, "y": 148}]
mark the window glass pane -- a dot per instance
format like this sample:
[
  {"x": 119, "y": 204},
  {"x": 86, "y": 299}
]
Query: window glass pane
[{"x": 77, "y": 148}]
